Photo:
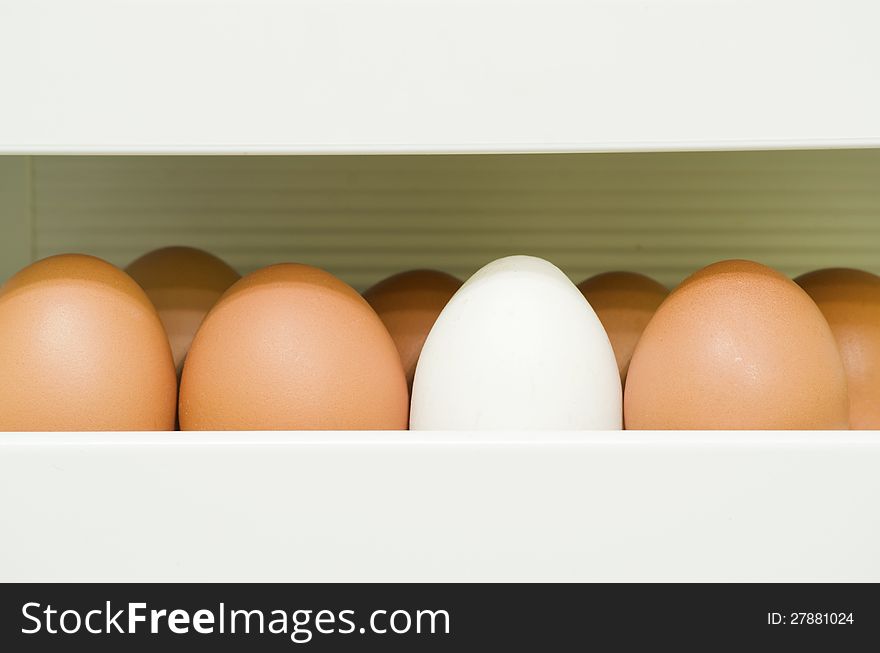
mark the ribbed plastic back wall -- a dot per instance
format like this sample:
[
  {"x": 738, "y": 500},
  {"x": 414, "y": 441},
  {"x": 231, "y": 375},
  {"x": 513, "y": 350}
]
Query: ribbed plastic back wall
[{"x": 365, "y": 217}]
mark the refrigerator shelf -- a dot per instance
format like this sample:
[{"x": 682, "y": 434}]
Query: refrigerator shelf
[{"x": 433, "y": 76}]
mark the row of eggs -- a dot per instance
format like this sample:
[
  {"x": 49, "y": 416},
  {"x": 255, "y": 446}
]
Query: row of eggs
[{"x": 179, "y": 338}]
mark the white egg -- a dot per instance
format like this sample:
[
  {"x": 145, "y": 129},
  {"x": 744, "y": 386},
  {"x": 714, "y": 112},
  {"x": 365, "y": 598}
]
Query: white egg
[{"x": 517, "y": 347}]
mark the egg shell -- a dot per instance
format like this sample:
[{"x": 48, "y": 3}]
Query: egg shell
[
  {"x": 82, "y": 349},
  {"x": 850, "y": 301},
  {"x": 517, "y": 347},
  {"x": 625, "y": 303},
  {"x": 292, "y": 347},
  {"x": 183, "y": 283},
  {"x": 736, "y": 346},
  {"x": 408, "y": 304}
]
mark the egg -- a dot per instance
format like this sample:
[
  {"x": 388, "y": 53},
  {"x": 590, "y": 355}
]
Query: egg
[
  {"x": 291, "y": 346},
  {"x": 624, "y": 302},
  {"x": 736, "y": 346},
  {"x": 517, "y": 347},
  {"x": 183, "y": 283},
  {"x": 82, "y": 349},
  {"x": 850, "y": 301},
  {"x": 408, "y": 304}
]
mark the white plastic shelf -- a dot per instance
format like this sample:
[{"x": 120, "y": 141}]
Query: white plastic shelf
[
  {"x": 755, "y": 506},
  {"x": 331, "y": 76}
]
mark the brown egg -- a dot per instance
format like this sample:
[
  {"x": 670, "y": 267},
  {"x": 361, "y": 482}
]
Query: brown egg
[
  {"x": 292, "y": 347},
  {"x": 82, "y": 349},
  {"x": 183, "y": 283},
  {"x": 624, "y": 302},
  {"x": 408, "y": 304},
  {"x": 737, "y": 346},
  {"x": 850, "y": 301}
]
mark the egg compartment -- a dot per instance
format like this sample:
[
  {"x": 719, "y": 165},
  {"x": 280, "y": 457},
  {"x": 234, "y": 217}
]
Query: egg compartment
[
  {"x": 448, "y": 505},
  {"x": 541, "y": 506}
]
